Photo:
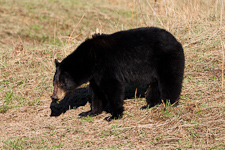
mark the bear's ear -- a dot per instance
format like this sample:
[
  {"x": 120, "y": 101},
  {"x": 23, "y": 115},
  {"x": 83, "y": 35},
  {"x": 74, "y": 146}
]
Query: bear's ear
[{"x": 56, "y": 63}]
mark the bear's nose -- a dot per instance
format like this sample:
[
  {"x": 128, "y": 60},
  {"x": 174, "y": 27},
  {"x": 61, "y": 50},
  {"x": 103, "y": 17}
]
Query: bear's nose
[{"x": 54, "y": 97}]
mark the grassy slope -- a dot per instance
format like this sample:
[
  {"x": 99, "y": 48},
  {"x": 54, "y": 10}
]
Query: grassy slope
[{"x": 33, "y": 33}]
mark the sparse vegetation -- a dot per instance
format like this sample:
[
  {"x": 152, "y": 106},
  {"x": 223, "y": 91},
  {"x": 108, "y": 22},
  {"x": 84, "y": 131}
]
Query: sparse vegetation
[{"x": 33, "y": 33}]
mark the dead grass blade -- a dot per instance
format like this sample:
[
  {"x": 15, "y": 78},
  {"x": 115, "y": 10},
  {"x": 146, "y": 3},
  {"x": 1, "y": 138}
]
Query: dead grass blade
[{"x": 75, "y": 29}]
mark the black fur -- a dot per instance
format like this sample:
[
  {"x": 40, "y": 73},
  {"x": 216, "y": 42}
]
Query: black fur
[{"x": 145, "y": 56}]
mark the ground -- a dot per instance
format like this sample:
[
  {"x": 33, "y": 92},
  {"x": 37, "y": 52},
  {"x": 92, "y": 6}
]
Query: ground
[{"x": 33, "y": 34}]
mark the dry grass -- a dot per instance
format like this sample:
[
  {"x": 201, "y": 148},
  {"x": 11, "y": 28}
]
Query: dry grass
[{"x": 33, "y": 33}]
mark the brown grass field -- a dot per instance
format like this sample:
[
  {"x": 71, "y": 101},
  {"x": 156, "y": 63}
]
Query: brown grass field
[{"x": 34, "y": 33}]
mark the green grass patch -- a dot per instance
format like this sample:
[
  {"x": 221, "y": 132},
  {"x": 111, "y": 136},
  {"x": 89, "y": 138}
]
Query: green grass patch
[{"x": 88, "y": 119}]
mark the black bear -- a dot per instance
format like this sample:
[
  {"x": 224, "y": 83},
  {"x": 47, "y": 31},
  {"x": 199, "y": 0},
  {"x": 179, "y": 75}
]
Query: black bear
[{"x": 147, "y": 55}]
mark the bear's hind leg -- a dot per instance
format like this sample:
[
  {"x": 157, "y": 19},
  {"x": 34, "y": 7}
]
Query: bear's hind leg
[
  {"x": 152, "y": 95},
  {"x": 170, "y": 91},
  {"x": 170, "y": 84}
]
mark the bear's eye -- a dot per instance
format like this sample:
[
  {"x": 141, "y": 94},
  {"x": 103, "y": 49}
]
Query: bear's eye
[{"x": 61, "y": 84}]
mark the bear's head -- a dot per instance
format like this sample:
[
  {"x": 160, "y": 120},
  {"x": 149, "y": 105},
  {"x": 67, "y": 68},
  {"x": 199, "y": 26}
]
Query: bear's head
[{"x": 63, "y": 83}]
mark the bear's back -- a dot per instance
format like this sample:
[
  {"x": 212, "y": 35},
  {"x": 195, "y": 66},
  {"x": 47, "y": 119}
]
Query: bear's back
[{"x": 134, "y": 53}]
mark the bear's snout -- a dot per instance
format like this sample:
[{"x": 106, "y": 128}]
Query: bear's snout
[{"x": 54, "y": 98}]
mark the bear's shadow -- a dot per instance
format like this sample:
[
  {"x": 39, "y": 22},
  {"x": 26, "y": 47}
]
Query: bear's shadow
[{"x": 81, "y": 96}]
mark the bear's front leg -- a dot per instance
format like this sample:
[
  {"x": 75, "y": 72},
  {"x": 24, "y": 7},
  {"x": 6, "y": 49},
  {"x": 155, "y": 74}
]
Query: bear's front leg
[
  {"x": 98, "y": 101},
  {"x": 114, "y": 92},
  {"x": 88, "y": 113}
]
